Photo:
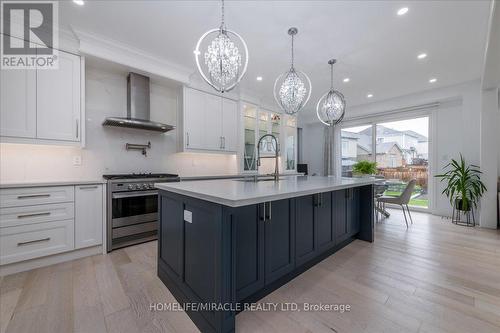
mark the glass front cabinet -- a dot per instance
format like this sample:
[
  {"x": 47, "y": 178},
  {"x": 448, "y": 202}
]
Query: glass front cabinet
[
  {"x": 257, "y": 122},
  {"x": 290, "y": 144}
]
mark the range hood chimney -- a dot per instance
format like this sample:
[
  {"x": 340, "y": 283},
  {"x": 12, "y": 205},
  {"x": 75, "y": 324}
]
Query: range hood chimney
[{"x": 138, "y": 112}]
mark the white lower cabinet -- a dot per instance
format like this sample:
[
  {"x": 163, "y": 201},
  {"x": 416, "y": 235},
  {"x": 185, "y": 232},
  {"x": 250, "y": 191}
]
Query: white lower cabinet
[
  {"x": 88, "y": 215},
  {"x": 35, "y": 240},
  {"x": 41, "y": 221}
]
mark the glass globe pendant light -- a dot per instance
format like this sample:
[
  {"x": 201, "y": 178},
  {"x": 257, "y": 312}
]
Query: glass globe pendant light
[
  {"x": 292, "y": 89},
  {"x": 222, "y": 64},
  {"x": 331, "y": 106}
]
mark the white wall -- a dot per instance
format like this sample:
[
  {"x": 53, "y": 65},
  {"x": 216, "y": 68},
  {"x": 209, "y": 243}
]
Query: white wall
[
  {"x": 105, "y": 150},
  {"x": 489, "y": 156},
  {"x": 457, "y": 129}
]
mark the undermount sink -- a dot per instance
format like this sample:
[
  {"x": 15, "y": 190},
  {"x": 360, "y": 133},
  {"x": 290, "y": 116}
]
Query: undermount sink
[{"x": 257, "y": 179}]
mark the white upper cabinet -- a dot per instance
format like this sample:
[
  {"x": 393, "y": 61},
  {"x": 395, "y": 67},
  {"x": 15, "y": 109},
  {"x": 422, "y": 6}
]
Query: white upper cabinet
[
  {"x": 18, "y": 103},
  {"x": 42, "y": 105},
  {"x": 230, "y": 125},
  {"x": 213, "y": 122},
  {"x": 58, "y": 100},
  {"x": 210, "y": 122},
  {"x": 194, "y": 119}
]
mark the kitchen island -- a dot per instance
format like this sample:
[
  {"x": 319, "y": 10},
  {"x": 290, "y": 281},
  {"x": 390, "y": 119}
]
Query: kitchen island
[{"x": 226, "y": 243}]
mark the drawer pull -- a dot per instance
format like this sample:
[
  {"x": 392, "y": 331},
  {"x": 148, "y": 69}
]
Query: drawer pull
[
  {"x": 33, "y": 241},
  {"x": 32, "y": 215},
  {"x": 30, "y": 196},
  {"x": 87, "y": 187}
]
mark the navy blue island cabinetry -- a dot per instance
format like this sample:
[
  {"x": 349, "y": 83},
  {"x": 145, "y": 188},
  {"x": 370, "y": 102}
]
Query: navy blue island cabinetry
[{"x": 215, "y": 257}]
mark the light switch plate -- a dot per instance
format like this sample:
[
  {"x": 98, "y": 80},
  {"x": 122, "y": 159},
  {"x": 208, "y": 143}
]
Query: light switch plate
[{"x": 188, "y": 216}]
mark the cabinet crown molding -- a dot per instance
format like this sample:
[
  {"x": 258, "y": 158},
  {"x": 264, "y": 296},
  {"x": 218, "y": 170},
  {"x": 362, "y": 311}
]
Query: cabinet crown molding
[{"x": 126, "y": 55}]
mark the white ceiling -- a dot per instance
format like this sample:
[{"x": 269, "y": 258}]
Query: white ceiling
[{"x": 375, "y": 48}]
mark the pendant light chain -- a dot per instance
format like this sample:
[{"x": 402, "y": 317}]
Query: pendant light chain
[
  {"x": 222, "y": 16},
  {"x": 331, "y": 76},
  {"x": 292, "y": 51}
]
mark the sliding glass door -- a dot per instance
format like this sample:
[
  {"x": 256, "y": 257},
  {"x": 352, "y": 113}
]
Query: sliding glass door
[
  {"x": 400, "y": 149},
  {"x": 356, "y": 142}
]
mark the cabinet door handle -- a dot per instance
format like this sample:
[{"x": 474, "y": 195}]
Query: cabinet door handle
[
  {"x": 33, "y": 241},
  {"x": 187, "y": 139},
  {"x": 315, "y": 200},
  {"x": 220, "y": 142},
  {"x": 77, "y": 129},
  {"x": 87, "y": 187},
  {"x": 268, "y": 213},
  {"x": 31, "y": 196},
  {"x": 320, "y": 199},
  {"x": 32, "y": 215},
  {"x": 261, "y": 211},
  {"x": 224, "y": 142}
]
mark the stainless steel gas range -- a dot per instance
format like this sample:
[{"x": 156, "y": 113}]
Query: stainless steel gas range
[{"x": 132, "y": 208}]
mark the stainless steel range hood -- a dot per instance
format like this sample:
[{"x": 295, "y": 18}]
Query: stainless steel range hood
[{"x": 138, "y": 113}]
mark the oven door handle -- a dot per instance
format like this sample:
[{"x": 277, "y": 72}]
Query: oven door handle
[{"x": 121, "y": 195}]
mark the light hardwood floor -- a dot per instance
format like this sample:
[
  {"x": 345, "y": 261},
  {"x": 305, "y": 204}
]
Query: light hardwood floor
[{"x": 433, "y": 277}]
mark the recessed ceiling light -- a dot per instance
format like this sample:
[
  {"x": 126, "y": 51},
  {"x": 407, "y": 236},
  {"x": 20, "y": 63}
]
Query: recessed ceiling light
[
  {"x": 347, "y": 79},
  {"x": 259, "y": 78},
  {"x": 369, "y": 95},
  {"x": 79, "y": 2},
  {"x": 433, "y": 80},
  {"x": 422, "y": 56},
  {"x": 402, "y": 11}
]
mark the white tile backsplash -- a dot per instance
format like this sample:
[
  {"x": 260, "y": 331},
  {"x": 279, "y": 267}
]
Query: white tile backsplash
[{"x": 105, "y": 149}]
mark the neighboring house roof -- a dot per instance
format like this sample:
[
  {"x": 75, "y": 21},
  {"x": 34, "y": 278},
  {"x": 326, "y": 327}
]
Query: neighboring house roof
[
  {"x": 349, "y": 135},
  {"x": 385, "y": 147},
  {"x": 382, "y": 130},
  {"x": 364, "y": 148},
  {"x": 420, "y": 137},
  {"x": 382, "y": 148}
]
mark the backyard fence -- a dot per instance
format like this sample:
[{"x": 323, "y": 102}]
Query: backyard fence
[{"x": 407, "y": 173}]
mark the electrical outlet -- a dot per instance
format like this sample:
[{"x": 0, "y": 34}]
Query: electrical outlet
[{"x": 77, "y": 160}]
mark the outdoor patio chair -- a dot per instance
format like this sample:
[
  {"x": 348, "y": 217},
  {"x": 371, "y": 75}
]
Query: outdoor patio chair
[{"x": 402, "y": 200}]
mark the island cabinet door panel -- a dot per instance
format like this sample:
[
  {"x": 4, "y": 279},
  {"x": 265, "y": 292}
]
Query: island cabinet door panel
[
  {"x": 171, "y": 234},
  {"x": 339, "y": 203},
  {"x": 203, "y": 252},
  {"x": 305, "y": 245},
  {"x": 325, "y": 231},
  {"x": 279, "y": 239},
  {"x": 248, "y": 226},
  {"x": 353, "y": 206}
]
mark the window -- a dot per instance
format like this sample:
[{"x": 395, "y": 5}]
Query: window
[
  {"x": 401, "y": 152},
  {"x": 356, "y": 146}
]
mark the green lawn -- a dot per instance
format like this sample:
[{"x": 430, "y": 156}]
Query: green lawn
[
  {"x": 419, "y": 202},
  {"x": 413, "y": 202}
]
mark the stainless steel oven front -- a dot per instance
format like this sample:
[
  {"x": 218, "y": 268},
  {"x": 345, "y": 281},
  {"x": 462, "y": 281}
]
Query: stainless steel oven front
[{"x": 132, "y": 213}]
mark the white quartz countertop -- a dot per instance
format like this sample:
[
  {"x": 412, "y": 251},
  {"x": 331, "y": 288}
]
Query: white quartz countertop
[
  {"x": 236, "y": 193},
  {"x": 50, "y": 183}
]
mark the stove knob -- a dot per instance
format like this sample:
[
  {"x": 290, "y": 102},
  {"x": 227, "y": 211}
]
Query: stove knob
[
  {"x": 151, "y": 186},
  {"x": 130, "y": 187},
  {"x": 144, "y": 186}
]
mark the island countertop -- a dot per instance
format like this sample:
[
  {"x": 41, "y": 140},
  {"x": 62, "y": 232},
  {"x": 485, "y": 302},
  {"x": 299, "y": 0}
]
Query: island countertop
[{"x": 237, "y": 192}]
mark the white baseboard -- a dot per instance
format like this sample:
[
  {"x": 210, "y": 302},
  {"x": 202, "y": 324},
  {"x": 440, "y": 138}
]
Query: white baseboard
[{"x": 49, "y": 260}]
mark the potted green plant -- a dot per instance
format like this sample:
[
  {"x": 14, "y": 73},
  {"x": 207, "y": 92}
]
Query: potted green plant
[
  {"x": 364, "y": 168},
  {"x": 464, "y": 187}
]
